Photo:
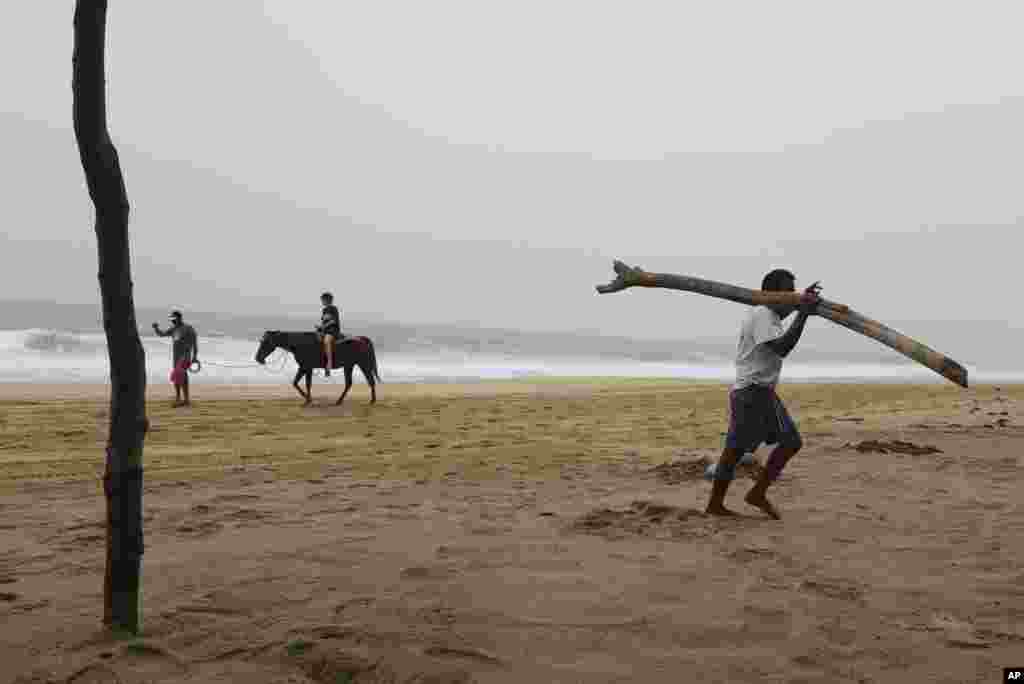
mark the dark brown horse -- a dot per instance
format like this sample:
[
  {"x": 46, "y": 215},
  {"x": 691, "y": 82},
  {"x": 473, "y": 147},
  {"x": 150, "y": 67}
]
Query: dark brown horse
[{"x": 308, "y": 353}]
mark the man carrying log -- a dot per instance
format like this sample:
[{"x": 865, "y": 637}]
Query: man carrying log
[{"x": 756, "y": 413}]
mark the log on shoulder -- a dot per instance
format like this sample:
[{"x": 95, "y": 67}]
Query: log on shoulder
[{"x": 632, "y": 276}]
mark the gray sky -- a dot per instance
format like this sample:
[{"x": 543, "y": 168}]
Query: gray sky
[{"x": 485, "y": 162}]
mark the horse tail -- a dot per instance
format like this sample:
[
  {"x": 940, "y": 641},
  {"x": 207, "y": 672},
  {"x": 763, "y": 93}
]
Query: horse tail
[{"x": 373, "y": 358}]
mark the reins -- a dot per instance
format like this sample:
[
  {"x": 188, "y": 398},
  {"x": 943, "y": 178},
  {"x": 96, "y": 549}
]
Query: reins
[{"x": 283, "y": 356}]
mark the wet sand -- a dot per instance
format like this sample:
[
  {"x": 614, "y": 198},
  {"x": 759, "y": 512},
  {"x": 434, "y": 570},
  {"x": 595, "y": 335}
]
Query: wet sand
[{"x": 519, "y": 532}]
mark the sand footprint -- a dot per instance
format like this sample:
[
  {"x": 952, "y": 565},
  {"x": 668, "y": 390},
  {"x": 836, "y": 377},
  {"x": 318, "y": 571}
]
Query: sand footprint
[
  {"x": 236, "y": 497},
  {"x": 749, "y": 554},
  {"x": 355, "y": 603},
  {"x": 767, "y": 621},
  {"x": 957, "y": 633},
  {"x": 246, "y": 515},
  {"x": 199, "y": 529},
  {"x": 323, "y": 661},
  {"x": 834, "y": 588},
  {"x": 465, "y": 652},
  {"x": 427, "y": 572},
  {"x": 94, "y": 673},
  {"x": 145, "y": 661}
]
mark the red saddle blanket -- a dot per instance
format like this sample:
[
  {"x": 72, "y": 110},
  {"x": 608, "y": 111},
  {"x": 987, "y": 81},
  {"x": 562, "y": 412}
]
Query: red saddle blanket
[{"x": 358, "y": 344}]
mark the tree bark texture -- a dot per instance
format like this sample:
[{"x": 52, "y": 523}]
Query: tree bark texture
[
  {"x": 633, "y": 276},
  {"x": 122, "y": 481}
]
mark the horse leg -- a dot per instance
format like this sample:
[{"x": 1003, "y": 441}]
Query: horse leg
[
  {"x": 370, "y": 381},
  {"x": 309, "y": 386},
  {"x": 295, "y": 384},
  {"x": 348, "y": 384}
]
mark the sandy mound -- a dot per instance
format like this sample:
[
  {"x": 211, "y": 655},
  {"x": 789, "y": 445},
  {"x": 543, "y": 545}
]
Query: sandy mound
[
  {"x": 894, "y": 446},
  {"x": 647, "y": 519}
]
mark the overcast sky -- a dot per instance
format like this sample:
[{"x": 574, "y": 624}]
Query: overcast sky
[{"x": 485, "y": 162}]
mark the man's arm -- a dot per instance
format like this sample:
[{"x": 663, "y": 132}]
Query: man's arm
[
  {"x": 783, "y": 345},
  {"x": 195, "y": 345},
  {"x": 161, "y": 333},
  {"x": 808, "y": 306}
]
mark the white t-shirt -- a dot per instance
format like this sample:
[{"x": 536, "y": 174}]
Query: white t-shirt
[{"x": 756, "y": 363}]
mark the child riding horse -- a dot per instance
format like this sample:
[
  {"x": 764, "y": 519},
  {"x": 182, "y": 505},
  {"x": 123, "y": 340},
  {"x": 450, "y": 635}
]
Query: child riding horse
[
  {"x": 308, "y": 352},
  {"x": 329, "y": 329}
]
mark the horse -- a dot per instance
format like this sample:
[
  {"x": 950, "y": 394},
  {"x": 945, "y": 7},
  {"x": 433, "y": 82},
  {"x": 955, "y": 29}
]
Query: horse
[{"x": 308, "y": 353}]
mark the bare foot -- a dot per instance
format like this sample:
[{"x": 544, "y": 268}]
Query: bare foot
[
  {"x": 719, "y": 510},
  {"x": 762, "y": 502}
]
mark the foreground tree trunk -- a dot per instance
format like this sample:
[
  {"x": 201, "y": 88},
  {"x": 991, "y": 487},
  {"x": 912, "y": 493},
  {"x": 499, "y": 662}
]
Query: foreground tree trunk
[{"x": 122, "y": 481}]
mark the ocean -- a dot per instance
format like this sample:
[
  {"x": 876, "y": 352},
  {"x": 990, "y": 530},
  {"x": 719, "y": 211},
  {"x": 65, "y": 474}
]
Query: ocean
[{"x": 75, "y": 352}]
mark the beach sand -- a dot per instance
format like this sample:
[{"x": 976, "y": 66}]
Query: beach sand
[{"x": 519, "y": 532}]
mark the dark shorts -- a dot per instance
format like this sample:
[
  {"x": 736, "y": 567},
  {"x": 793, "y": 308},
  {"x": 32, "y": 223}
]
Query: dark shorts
[{"x": 756, "y": 416}]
